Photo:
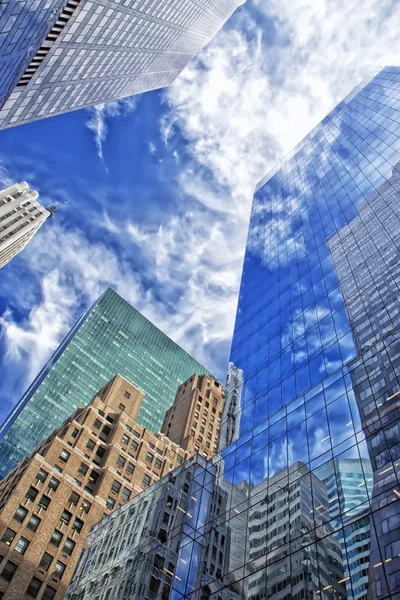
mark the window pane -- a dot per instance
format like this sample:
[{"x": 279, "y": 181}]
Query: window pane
[
  {"x": 34, "y": 587},
  {"x": 8, "y": 536},
  {"x": 33, "y": 523},
  {"x": 20, "y": 514},
  {"x": 21, "y": 545},
  {"x": 41, "y": 475},
  {"x": 45, "y": 561},
  {"x": 48, "y": 593},
  {"x": 8, "y": 570},
  {"x": 56, "y": 538}
]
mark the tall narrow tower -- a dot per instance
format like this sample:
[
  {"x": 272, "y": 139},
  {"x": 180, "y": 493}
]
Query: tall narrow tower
[{"x": 21, "y": 215}]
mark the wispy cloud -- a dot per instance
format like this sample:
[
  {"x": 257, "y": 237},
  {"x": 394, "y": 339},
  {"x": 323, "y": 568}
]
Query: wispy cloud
[
  {"x": 260, "y": 86},
  {"x": 101, "y": 113}
]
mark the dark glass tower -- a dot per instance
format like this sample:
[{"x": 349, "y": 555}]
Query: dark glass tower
[
  {"x": 112, "y": 337},
  {"x": 305, "y": 501}
]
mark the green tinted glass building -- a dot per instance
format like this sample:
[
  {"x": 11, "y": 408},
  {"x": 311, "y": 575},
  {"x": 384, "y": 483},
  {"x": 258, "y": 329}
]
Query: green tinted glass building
[{"x": 112, "y": 337}]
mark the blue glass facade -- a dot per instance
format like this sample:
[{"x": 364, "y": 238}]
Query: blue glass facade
[
  {"x": 112, "y": 337},
  {"x": 305, "y": 501},
  {"x": 23, "y": 28}
]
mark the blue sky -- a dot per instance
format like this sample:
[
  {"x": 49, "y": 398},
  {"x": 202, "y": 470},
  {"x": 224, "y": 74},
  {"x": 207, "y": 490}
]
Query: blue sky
[{"x": 159, "y": 186}]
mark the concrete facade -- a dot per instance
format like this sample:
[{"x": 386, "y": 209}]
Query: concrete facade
[{"x": 96, "y": 461}]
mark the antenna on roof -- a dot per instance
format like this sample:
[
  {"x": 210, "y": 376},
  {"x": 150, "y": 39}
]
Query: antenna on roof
[{"x": 52, "y": 209}]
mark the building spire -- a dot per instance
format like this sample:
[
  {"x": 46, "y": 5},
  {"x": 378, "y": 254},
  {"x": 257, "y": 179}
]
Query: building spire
[{"x": 52, "y": 209}]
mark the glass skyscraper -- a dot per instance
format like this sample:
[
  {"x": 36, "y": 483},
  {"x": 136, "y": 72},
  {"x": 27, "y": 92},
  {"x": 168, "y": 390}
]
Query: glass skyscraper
[
  {"x": 112, "y": 337},
  {"x": 305, "y": 501},
  {"x": 61, "y": 55}
]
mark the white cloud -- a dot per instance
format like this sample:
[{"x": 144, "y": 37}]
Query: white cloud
[
  {"x": 101, "y": 113},
  {"x": 48, "y": 321},
  {"x": 252, "y": 94}
]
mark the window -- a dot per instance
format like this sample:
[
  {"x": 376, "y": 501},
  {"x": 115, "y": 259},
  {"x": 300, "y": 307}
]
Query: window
[
  {"x": 207, "y": 444},
  {"x": 44, "y": 502},
  {"x": 121, "y": 461},
  {"x": 121, "y": 406},
  {"x": 41, "y": 475},
  {"x": 179, "y": 459},
  {"x": 21, "y": 545},
  {"x": 128, "y": 428},
  {"x": 130, "y": 468},
  {"x": 83, "y": 469},
  {"x": 77, "y": 525},
  {"x": 57, "y": 468},
  {"x": 8, "y": 536},
  {"x": 126, "y": 494},
  {"x": 100, "y": 452},
  {"x": 146, "y": 480},
  {"x": 149, "y": 457},
  {"x": 110, "y": 503},
  {"x": 8, "y": 570},
  {"x": 34, "y": 587},
  {"x": 157, "y": 463},
  {"x": 201, "y": 429},
  {"x": 159, "y": 451},
  {"x": 48, "y": 593},
  {"x": 207, "y": 405},
  {"x": 106, "y": 430},
  {"x": 137, "y": 434},
  {"x": 65, "y": 516},
  {"x": 196, "y": 415},
  {"x": 56, "y": 538},
  {"x": 64, "y": 456},
  {"x": 75, "y": 432},
  {"x": 116, "y": 486},
  {"x": 31, "y": 493},
  {"x": 74, "y": 498},
  {"x": 53, "y": 484},
  {"x": 33, "y": 523},
  {"x": 59, "y": 569},
  {"x": 192, "y": 433},
  {"x": 68, "y": 547},
  {"x": 90, "y": 444},
  {"x": 134, "y": 445},
  {"x": 203, "y": 421},
  {"x": 198, "y": 407},
  {"x": 196, "y": 448},
  {"x": 86, "y": 506},
  {"x": 127, "y": 395},
  {"x": 20, "y": 514},
  {"x": 46, "y": 561},
  {"x": 125, "y": 439},
  {"x": 97, "y": 424}
]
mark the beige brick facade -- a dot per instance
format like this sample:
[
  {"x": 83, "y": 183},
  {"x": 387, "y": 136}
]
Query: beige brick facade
[
  {"x": 98, "y": 459},
  {"x": 193, "y": 421}
]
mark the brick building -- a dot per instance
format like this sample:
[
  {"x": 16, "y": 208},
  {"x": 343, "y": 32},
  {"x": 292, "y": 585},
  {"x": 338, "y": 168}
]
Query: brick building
[
  {"x": 96, "y": 461},
  {"x": 194, "y": 420}
]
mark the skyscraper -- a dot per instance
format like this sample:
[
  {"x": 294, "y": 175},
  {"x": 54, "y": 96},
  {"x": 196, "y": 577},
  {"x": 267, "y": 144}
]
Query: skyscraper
[
  {"x": 194, "y": 419},
  {"x": 21, "y": 215},
  {"x": 112, "y": 337},
  {"x": 86, "y": 52},
  {"x": 317, "y": 346}
]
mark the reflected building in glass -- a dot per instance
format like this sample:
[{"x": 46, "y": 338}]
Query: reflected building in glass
[{"x": 303, "y": 503}]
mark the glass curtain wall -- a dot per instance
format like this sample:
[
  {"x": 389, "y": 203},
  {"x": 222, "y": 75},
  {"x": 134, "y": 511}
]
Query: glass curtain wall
[{"x": 305, "y": 503}]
